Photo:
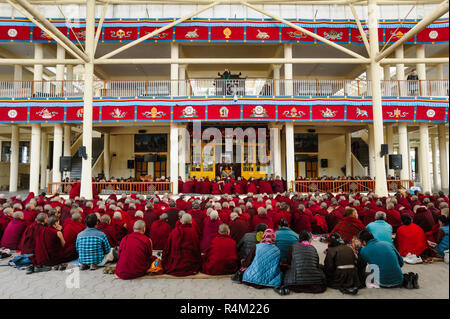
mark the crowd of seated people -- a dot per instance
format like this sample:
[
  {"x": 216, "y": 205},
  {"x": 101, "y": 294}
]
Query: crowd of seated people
[{"x": 265, "y": 240}]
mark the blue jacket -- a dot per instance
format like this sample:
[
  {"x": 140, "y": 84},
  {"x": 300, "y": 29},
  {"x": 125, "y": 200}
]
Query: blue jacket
[
  {"x": 387, "y": 259},
  {"x": 381, "y": 230},
  {"x": 443, "y": 245},
  {"x": 286, "y": 237},
  {"x": 265, "y": 267}
]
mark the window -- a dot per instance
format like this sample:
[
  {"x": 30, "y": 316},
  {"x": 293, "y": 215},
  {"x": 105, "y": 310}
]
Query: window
[
  {"x": 306, "y": 143},
  {"x": 150, "y": 143},
  {"x": 24, "y": 152}
]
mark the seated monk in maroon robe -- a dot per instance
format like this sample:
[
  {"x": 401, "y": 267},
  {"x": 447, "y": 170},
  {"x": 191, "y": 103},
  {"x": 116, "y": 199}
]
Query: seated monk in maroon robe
[
  {"x": 210, "y": 229},
  {"x": 135, "y": 253},
  {"x": 49, "y": 245},
  {"x": 221, "y": 256},
  {"x": 182, "y": 256},
  {"x": 349, "y": 226},
  {"x": 120, "y": 226},
  {"x": 109, "y": 229},
  {"x": 28, "y": 241},
  {"x": 13, "y": 232},
  {"x": 160, "y": 231},
  {"x": 71, "y": 230}
]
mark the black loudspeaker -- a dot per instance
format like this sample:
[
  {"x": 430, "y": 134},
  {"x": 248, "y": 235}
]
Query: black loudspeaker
[
  {"x": 395, "y": 161},
  {"x": 384, "y": 149},
  {"x": 324, "y": 163},
  {"x": 82, "y": 152},
  {"x": 65, "y": 163},
  {"x": 130, "y": 164}
]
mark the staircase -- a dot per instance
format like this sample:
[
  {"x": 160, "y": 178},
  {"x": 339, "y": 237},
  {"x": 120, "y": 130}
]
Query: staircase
[
  {"x": 362, "y": 153},
  {"x": 97, "y": 149}
]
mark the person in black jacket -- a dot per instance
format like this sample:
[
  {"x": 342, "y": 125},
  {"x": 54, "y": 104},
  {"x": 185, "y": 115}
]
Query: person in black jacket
[
  {"x": 249, "y": 241},
  {"x": 413, "y": 82},
  {"x": 304, "y": 273}
]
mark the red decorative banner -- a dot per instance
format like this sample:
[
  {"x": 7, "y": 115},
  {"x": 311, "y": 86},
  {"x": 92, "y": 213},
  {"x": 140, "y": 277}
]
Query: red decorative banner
[
  {"x": 47, "y": 114},
  {"x": 403, "y": 113},
  {"x": 356, "y": 36},
  {"x": 395, "y": 35},
  {"x": 15, "y": 33},
  {"x": 76, "y": 113},
  {"x": 13, "y": 114},
  {"x": 224, "y": 112},
  {"x": 263, "y": 34},
  {"x": 428, "y": 113},
  {"x": 359, "y": 112},
  {"x": 165, "y": 35},
  {"x": 189, "y": 112},
  {"x": 117, "y": 113},
  {"x": 328, "y": 112},
  {"x": 227, "y": 33},
  {"x": 335, "y": 35},
  {"x": 290, "y": 112},
  {"x": 259, "y": 112},
  {"x": 191, "y": 33},
  {"x": 41, "y": 35},
  {"x": 160, "y": 112},
  {"x": 291, "y": 34},
  {"x": 120, "y": 34},
  {"x": 77, "y": 33},
  {"x": 433, "y": 35}
]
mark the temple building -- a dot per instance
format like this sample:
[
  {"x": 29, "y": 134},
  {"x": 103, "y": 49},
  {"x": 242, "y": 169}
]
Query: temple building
[{"x": 163, "y": 90}]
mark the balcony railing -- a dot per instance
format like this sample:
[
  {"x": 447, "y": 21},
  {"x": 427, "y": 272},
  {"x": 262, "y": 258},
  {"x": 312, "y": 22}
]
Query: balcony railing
[{"x": 219, "y": 87}]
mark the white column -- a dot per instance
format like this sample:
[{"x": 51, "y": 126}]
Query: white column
[
  {"x": 14, "y": 159},
  {"x": 183, "y": 88},
  {"x": 86, "y": 166},
  {"x": 386, "y": 78},
  {"x": 380, "y": 173},
  {"x": 424, "y": 158},
  {"x": 174, "y": 54},
  {"x": 434, "y": 154},
  {"x": 35, "y": 157},
  {"x": 289, "y": 85},
  {"x": 60, "y": 55},
  {"x": 421, "y": 70},
  {"x": 57, "y": 152},
  {"x": 443, "y": 157},
  {"x": 69, "y": 78},
  {"x": 440, "y": 76},
  {"x": 44, "y": 159},
  {"x": 276, "y": 150},
  {"x": 283, "y": 153},
  {"x": 403, "y": 150},
  {"x": 290, "y": 155},
  {"x": 348, "y": 154},
  {"x": 276, "y": 79},
  {"x": 106, "y": 155},
  {"x": 400, "y": 70},
  {"x": 38, "y": 68},
  {"x": 174, "y": 157},
  {"x": 18, "y": 72},
  {"x": 67, "y": 140},
  {"x": 390, "y": 143},
  {"x": 371, "y": 152},
  {"x": 182, "y": 152}
]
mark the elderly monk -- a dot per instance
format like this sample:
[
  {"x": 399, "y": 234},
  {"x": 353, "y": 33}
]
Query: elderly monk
[
  {"x": 182, "y": 256},
  {"x": 160, "y": 231},
  {"x": 349, "y": 226},
  {"x": 108, "y": 228},
  {"x": 28, "y": 241},
  {"x": 135, "y": 253},
  {"x": 70, "y": 232},
  {"x": 13, "y": 232},
  {"x": 49, "y": 245},
  {"x": 5, "y": 218},
  {"x": 221, "y": 256},
  {"x": 210, "y": 229}
]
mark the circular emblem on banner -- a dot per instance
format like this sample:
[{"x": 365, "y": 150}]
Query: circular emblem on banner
[
  {"x": 431, "y": 113},
  {"x": 12, "y": 114},
  {"x": 433, "y": 34},
  {"x": 12, "y": 33}
]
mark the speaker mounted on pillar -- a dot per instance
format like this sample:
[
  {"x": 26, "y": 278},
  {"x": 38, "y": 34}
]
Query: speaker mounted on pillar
[
  {"x": 324, "y": 163},
  {"x": 384, "y": 150},
  {"x": 130, "y": 164},
  {"x": 395, "y": 161},
  {"x": 82, "y": 152},
  {"x": 65, "y": 164}
]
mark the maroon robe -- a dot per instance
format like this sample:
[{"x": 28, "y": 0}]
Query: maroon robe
[
  {"x": 348, "y": 227},
  {"x": 13, "y": 233},
  {"x": 70, "y": 232},
  {"x": 221, "y": 256},
  {"x": 28, "y": 241},
  {"x": 262, "y": 219},
  {"x": 48, "y": 250},
  {"x": 238, "y": 228},
  {"x": 159, "y": 233},
  {"x": 110, "y": 232},
  {"x": 182, "y": 256},
  {"x": 4, "y": 221},
  {"x": 210, "y": 230},
  {"x": 135, "y": 256}
]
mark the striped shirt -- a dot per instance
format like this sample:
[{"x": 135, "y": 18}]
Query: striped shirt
[{"x": 92, "y": 246}]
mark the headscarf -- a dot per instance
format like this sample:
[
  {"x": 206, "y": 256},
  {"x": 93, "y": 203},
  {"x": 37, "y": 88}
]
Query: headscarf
[{"x": 269, "y": 237}]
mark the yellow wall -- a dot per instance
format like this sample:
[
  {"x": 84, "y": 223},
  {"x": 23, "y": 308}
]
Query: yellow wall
[
  {"x": 4, "y": 173},
  {"x": 332, "y": 147}
]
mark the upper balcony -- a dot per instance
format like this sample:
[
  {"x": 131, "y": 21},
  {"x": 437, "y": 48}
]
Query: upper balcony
[{"x": 217, "y": 87}]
